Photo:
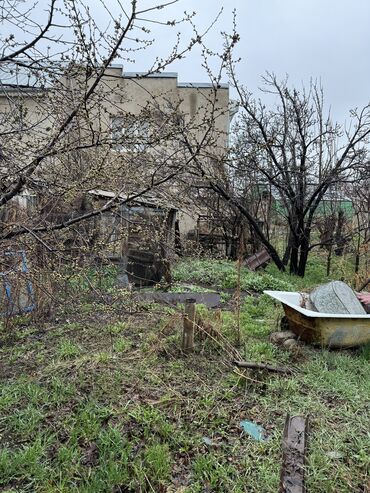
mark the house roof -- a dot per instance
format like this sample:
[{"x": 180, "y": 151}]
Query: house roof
[
  {"x": 19, "y": 77},
  {"x": 167, "y": 75}
]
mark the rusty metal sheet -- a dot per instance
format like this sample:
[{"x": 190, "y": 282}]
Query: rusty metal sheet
[
  {"x": 257, "y": 260},
  {"x": 294, "y": 449}
]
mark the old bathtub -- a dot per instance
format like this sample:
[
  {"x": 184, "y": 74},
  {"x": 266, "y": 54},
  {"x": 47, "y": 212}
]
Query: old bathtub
[{"x": 327, "y": 329}]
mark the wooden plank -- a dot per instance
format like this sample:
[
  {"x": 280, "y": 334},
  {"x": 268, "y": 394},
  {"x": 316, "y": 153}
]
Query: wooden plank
[{"x": 294, "y": 448}]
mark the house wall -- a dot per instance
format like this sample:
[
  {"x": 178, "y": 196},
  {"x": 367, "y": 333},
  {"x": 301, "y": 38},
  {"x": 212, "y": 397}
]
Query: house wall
[{"x": 118, "y": 94}]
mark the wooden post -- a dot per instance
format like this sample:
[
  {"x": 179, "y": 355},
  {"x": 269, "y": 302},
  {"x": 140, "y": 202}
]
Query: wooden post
[{"x": 189, "y": 324}]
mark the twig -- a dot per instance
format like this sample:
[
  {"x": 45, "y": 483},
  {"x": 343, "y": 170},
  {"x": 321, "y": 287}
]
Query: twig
[
  {"x": 365, "y": 284},
  {"x": 261, "y": 366}
]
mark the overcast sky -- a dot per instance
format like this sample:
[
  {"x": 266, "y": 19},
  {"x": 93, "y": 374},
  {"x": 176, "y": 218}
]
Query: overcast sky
[
  {"x": 323, "y": 39},
  {"x": 327, "y": 40}
]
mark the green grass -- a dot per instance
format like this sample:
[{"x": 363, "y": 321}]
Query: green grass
[
  {"x": 222, "y": 274},
  {"x": 68, "y": 349},
  {"x": 104, "y": 400}
]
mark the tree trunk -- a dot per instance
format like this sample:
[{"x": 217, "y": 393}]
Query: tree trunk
[
  {"x": 293, "y": 266},
  {"x": 339, "y": 240},
  {"x": 303, "y": 258},
  {"x": 328, "y": 260},
  {"x": 253, "y": 223},
  {"x": 288, "y": 250}
]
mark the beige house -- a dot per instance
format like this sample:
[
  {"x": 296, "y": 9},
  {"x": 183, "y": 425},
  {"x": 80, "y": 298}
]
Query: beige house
[
  {"x": 129, "y": 134},
  {"x": 132, "y": 116}
]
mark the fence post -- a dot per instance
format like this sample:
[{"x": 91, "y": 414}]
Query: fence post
[{"x": 189, "y": 325}]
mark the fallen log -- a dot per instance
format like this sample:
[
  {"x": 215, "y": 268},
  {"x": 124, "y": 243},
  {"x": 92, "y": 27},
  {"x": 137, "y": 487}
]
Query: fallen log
[{"x": 261, "y": 366}]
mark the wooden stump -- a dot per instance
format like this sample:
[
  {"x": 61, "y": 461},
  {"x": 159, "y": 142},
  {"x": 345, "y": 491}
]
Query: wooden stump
[{"x": 189, "y": 325}]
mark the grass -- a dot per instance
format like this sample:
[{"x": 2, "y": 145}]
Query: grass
[
  {"x": 103, "y": 400},
  {"x": 222, "y": 274},
  {"x": 342, "y": 268},
  {"x": 67, "y": 349}
]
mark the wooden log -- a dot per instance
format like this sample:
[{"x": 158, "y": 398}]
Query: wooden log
[
  {"x": 261, "y": 366},
  {"x": 294, "y": 455},
  {"x": 189, "y": 325}
]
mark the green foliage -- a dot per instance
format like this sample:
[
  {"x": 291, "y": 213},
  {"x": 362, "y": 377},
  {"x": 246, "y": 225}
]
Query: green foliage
[
  {"x": 222, "y": 274},
  {"x": 87, "y": 420},
  {"x": 158, "y": 462},
  {"x": 342, "y": 268},
  {"x": 117, "y": 328},
  {"x": 25, "y": 421},
  {"x": 121, "y": 345},
  {"x": 152, "y": 422},
  {"x": 365, "y": 352},
  {"x": 68, "y": 349},
  {"x": 208, "y": 469},
  {"x": 82, "y": 280},
  {"x": 83, "y": 418}
]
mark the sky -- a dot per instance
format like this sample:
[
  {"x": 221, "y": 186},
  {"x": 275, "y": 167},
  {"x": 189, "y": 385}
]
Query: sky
[{"x": 327, "y": 40}]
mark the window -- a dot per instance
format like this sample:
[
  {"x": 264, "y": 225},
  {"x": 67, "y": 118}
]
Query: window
[{"x": 129, "y": 134}]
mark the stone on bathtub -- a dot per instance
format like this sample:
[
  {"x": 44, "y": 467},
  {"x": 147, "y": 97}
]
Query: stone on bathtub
[{"x": 336, "y": 297}]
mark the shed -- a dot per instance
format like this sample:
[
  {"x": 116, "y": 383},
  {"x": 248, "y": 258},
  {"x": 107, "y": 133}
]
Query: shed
[{"x": 140, "y": 236}]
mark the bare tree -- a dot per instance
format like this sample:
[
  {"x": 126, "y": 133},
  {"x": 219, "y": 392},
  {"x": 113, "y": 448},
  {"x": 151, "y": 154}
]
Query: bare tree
[
  {"x": 297, "y": 152},
  {"x": 57, "y": 136}
]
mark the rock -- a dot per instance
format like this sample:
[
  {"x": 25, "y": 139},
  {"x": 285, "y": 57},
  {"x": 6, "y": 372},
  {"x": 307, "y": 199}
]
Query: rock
[
  {"x": 334, "y": 454},
  {"x": 307, "y": 303},
  {"x": 291, "y": 344},
  {"x": 281, "y": 336},
  {"x": 336, "y": 297}
]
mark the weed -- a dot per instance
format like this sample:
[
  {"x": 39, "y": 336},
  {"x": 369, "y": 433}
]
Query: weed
[
  {"x": 117, "y": 328},
  {"x": 68, "y": 349},
  {"x": 121, "y": 345},
  {"x": 209, "y": 470},
  {"x": 152, "y": 422},
  {"x": 222, "y": 274},
  {"x": 82, "y": 418},
  {"x": 157, "y": 460},
  {"x": 365, "y": 352},
  {"x": 103, "y": 357}
]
